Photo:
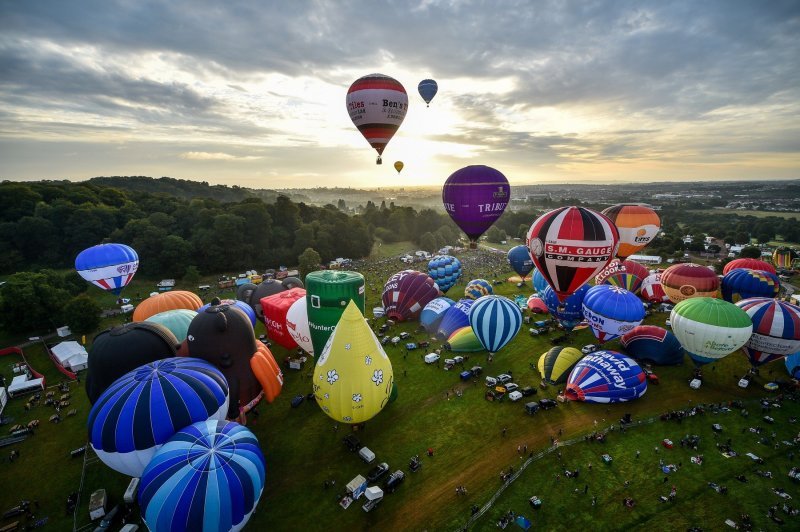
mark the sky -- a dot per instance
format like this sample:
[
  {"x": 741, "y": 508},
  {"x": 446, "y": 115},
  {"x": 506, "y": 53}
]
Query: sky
[{"x": 252, "y": 93}]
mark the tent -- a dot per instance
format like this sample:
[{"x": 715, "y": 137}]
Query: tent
[
  {"x": 373, "y": 492},
  {"x": 21, "y": 384},
  {"x": 71, "y": 355}
]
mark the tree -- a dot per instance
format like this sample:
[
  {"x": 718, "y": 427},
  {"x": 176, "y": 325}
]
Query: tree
[
  {"x": 82, "y": 314},
  {"x": 750, "y": 252},
  {"x": 495, "y": 235},
  {"x": 30, "y": 301},
  {"x": 309, "y": 261},
  {"x": 192, "y": 274},
  {"x": 428, "y": 242}
]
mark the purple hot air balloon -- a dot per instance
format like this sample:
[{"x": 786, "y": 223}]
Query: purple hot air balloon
[
  {"x": 406, "y": 293},
  {"x": 475, "y": 197}
]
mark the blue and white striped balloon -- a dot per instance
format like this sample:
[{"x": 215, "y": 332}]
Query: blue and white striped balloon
[
  {"x": 496, "y": 320},
  {"x": 445, "y": 270},
  {"x": 145, "y": 407},
  {"x": 207, "y": 477}
]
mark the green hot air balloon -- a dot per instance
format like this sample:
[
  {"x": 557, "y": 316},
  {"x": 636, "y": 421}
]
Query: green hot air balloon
[
  {"x": 327, "y": 295},
  {"x": 709, "y": 328},
  {"x": 463, "y": 340}
]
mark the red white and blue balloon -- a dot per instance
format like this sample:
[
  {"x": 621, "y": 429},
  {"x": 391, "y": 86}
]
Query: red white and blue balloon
[
  {"x": 776, "y": 329},
  {"x": 108, "y": 266},
  {"x": 611, "y": 311},
  {"x": 606, "y": 377}
]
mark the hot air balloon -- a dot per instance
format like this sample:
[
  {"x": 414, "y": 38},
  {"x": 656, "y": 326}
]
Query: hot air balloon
[
  {"x": 537, "y": 305},
  {"x": 398, "y": 165},
  {"x": 776, "y": 329},
  {"x": 496, "y": 320},
  {"x": 165, "y": 301},
  {"x": 538, "y": 281},
  {"x": 268, "y": 288},
  {"x": 108, "y": 266},
  {"x": 474, "y": 197},
  {"x": 793, "y": 365},
  {"x": 177, "y": 321},
  {"x": 237, "y": 304},
  {"x": 244, "y": 292},
  {"x": 353, "y": 376},
  {"x": 478, "y": 288},
  {"x": 463, "y": 340},
  {"x": 637, "y": 224},
  {"x": 554, "y": 366},
  {"x": 431, "y": 316},
  {"x": 144, "y": 408},
  {"x": 456, "y": 317},
  {"x": 520, "y": 260},
  {"x": 651, "y": 289},
  {"x": 784, "y": 257},
  {"x": 297, "y": 325},
  {"x": 327, "y": 294},
  {"x": 377, "y": 105},
  {"x": 406, "y": 293},
  {"x": 655, "y": 344},
  {"x": 606, "y": 377},
  {"x": 568, "y": 313},
  {"x": 571, "y": 245},
  {"x": 753, "y": 264},
  {"x": 710, "y": 329},
  {"x": 627, "y": 274},
  {"x": 121, "y": 349},
  {"x": 208, "y": 477},
  {"x": 223, "y": 336},
  {"x": 743, "y": 283},
  {"x": 445, "y": 270},
  {"x": 275, "y": 308},
  {"x": 427, "y": 89},
  {"x": 611, "y": 311},
  {"x": 684, "y": 281}
]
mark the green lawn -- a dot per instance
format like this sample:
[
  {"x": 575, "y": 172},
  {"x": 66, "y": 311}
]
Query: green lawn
[
  {"x": 757, "y": 214},
  {"x": 303, "y": 448}
]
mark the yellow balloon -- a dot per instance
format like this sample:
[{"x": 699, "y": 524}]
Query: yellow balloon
[
  {"x": 398, "y": 166},
  {"x": 353, "y": 376}
]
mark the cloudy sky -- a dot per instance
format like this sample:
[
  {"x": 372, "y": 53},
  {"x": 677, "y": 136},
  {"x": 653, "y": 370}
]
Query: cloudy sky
[{"x": 253, "y": 93}]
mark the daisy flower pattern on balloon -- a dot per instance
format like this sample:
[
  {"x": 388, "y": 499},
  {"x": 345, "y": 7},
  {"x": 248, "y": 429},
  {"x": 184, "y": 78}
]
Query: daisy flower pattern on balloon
[
  {"x": 357, "y": 397},
  {"x": 377, "y": 377},
  {"x": 367, "y": 360},
  {"x": 333, "y": 376}
]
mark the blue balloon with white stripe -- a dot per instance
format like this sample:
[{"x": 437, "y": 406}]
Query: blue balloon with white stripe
[
  {"x": 538, "y": 281},
  {"x": 455, "y": 318},
  {"x": 145, "y": 407},
  {"x": 445, "y": 270},
  {"x": 495, "y": 320},
  {"x": 433, "y": 313},
  {"x": 108, "y": 266},
  {"x": 207, "y": 477}
]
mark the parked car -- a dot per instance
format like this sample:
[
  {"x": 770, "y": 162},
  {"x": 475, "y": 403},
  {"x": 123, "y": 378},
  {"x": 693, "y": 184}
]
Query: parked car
[
  {"x": 547, "y": 404},
  {"x": 533, "y": 331},
  {"x": 404, "y": 335},
  {"x": 528, "y": 391},
  {"x": 431, "y": 358},
  {"x": 458, "y": 359},
  {"x": 411, "y": 346},
  {"x": 385, "y": 340},
  {"x": 491, "y": 382},
  {"x": 476, "y": 370},
  {"x": 424, "y": 344},
  {"x": 511, "y": 387},
  {"x": 515, "y": 396},
  {"x": 532, "y": 407},
  {"x": 108, "y": 520},
  {"x": 504, "y": 378},
  {"x": 668, "y": 323},
  {"x": 394, "y": 481},
  {"x": 395, "y": 340},
  {"x": 352, "y": 443},
  {"x": 377, "y": 472},
  {"x": 591, "y": 348},
  {"x": 383, "y": 329}
]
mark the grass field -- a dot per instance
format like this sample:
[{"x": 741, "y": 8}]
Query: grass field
[
  {"x": 757, "y": 214},
  {"x": 303, "y": 446}
]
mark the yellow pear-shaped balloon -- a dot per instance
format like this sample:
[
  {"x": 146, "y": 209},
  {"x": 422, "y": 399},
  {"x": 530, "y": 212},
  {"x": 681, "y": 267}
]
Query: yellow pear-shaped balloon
[{"x": 353, "y": 377}]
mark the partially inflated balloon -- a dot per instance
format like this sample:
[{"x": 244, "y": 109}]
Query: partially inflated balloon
[
  {"x": 427, "y": 89},
  {"x": 297, "y": 325},
  {"x": 606, "y": 377},
  {"x": 684, "y": 281},
  {"x": 237, "y": 304},
  {"x": 108, "y": 266},
  {"x": 496, "y": 320},
  {"x": 753, "y": 264},
  {"x": 710, "y": 329},
  {"x": 353, "y": 376},
  {"x": 165, "y": 301},
  {"x": 377, "y": 105},
  {"x": 743, "y": 283},
  {"x": 648, "y": 342},
  {"x": 571, "y": 245},
  {"x": 637, "y": 225},
  {"x": 611, "y": 311},
  {"x": 406, "y": 293},
  {"x": 475, "y": 197},
  {"x": 651, "y": 289},
  {"x": 784, "y": 257},
  {"x": 627, "y": 274},
  {"x": 276, "y": 307},
  {"x": 793, "y": 365},
  {"x": 463, "y": 340},
  {"x": 555, "y": 365},
  {"x": 537, "y": 305},
  {"x": 538, "y": 281},
  {"x": 445, "y": 270},
  {"x": 520, "y": 260},
  {"x": 456, "y": 317},
  {"x": 776, "y": 329},
  {"x": 177, "y": 321},
  {"x": 398, "y": 165}
]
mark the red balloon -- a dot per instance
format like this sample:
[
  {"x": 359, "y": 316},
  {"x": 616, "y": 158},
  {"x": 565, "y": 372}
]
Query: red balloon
[{"x": 753, "y": 264}]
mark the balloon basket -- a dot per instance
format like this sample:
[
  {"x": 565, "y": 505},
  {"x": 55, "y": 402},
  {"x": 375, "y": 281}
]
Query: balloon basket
[{"x": 379, "y": 160}]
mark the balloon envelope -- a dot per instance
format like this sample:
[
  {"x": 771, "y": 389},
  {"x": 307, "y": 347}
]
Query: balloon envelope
[
  {"x": 606, "y": 377},
  {"x": 456, "y": 317},
  {"x": 520, "y": 260},
  {"x": 710, "y": 329},
  {"x": 496, "y": 320},
  {"x": 793, "y": 365},
  {"x": 783, "y": 257},
  {"x": 753, "y": 264},
  {"x": 327, "y": 294},
  {"x": 776, "y": 329},
  {"x": 398, "y": 165},
  {"x": 208, "y": 477},
  {"x": 427, "y": 89},
  {"x": 353, "y": 376},
  {"x": 463, "y": 340},
  {"x": 569, "y": 313},
  {"x": 475, "y": 197},
  {"x": 626, "y": 273},
  {"x": 637, "y": 224},
  {"x": 743, "y": 283},
  {"x": 555, "y": 365},
  {"x": 656, "y": 344},
  {"x": 377, "y": 105},
  {"x": 571, "y": 245},
  {"x": 445, "y": 270},
  {"x": 237, "y": 304},
  {"x": 297, "y": 325},
  {"x": 177, "y": 321},
  {"x": 611, "y": 311},
  {"x": 165, "y": 301},
  {"x": 406, "y": 293},
  {"x": 478, "y": 288},
  {"x": 147, "y": 406},
  {"x": 537, "y": 305},
  {"x": 433, "y": 313},
  {"x": 538, "y": 281},
  {"x": 108, "y": 266},
  {"x": 275, "y": 308},
  {"x": 684, "y": 281},
  {"x": 651, "y": 289}
]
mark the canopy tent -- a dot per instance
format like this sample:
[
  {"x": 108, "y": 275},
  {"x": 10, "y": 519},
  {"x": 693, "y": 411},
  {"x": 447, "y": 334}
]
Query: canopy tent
[
  {"x": 373, "y": 492},
  {"x": 21, "y": 384},
  {"x": 71, "y": 355}
]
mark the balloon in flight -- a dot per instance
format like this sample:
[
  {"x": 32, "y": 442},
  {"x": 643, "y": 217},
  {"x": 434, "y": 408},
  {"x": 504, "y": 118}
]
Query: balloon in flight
[
  {"x": 398, "y": 165},
  {"x": 377, "y": 105},
  {"x": 475, "y": 197},
  {"x": 427, "y": 89},
  {"x": 108, "y": 266}
]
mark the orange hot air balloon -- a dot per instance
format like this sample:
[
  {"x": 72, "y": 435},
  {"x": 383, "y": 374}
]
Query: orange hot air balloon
[
  {"x": 638, "y": 224},
  {"x": 685, "y": 281},
  {"x": 165, "y": 301},
  {"x": 398, "y": 165}
]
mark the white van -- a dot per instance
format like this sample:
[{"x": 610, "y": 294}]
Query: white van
[{"x": 130, "y": 492}]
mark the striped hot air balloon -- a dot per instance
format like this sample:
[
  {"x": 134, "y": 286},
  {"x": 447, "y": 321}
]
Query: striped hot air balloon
[
  {"x": 571, "y": 245},
  {"x": 776, "y": 329},
  {"x": 108, "y": 266},
  {"x": 538, "y": 281},
  {"x": 784, "y": 257},
  {"x": 433, "y": 313},
  {"x": 208, "y": 477},
  {"x": 555, "y": 365},
  {"x": 743, "y": 283},
  {"x": 753, "y": 264},
  {"x": 611, "y": 311},
  {"x": 496, "y": 320},
  {"x": 637, "y": 224},
  {"x": 651, "y": 289},
  {"x": 377, "y": 105},
  {"x": 710, "y": 329},
  {"x": 478, "y": 288},
  {"x": 145, "y": 407},
  {"x": 569, "y": 313},
  {"x": 456, "y": 317},
  {"x": 656, "y": 344},
  {"x": 684, "y": 281},
  {"x": 406, "y": 293},
  {"x": 445, "y": 270},
  {"x": 606, "y": 377},
  {"x": 626, "y": 273}
]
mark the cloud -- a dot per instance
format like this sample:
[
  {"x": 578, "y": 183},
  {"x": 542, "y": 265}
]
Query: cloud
[{"x": 216, "y": 156}]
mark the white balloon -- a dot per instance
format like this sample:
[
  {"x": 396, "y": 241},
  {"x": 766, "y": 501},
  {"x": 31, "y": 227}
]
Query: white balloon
[{"x": 297, "y": 325}]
